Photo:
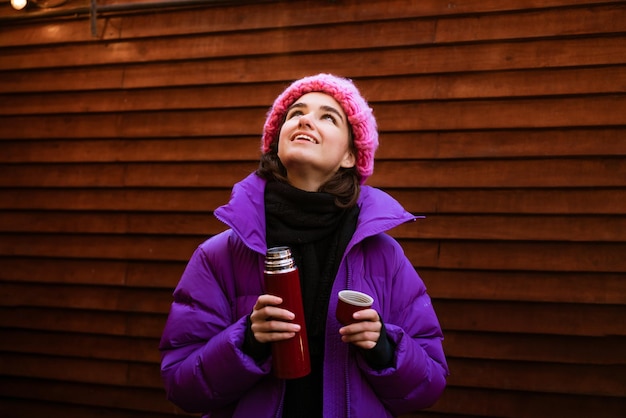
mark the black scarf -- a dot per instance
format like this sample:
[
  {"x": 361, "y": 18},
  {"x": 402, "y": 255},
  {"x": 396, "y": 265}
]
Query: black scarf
[{"x": 317, "y": 231}]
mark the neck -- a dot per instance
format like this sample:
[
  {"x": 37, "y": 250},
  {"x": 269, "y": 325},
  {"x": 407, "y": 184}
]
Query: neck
[{"x": 308, "y": 183}]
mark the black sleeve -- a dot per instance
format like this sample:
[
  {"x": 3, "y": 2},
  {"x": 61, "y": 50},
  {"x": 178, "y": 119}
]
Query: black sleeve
[
  {"x": 258, "y": 351},
  {"x": 381, "y": 356}
]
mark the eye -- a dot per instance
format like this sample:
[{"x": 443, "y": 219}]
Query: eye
[
  {"x": 294, "y": 113},
  {"x": 330, "y": 117}
]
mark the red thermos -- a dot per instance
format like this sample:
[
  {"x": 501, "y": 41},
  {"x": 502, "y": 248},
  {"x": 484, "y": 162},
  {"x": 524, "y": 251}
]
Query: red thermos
[{"x": 290, "y": 358}]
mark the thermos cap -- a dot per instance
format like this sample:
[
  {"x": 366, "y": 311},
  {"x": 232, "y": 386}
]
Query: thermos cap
[{"x": 279, "y": 260}]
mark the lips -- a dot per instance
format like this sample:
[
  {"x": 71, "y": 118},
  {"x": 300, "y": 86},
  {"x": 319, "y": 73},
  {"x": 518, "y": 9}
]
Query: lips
[{"x": 304, "y": 137}]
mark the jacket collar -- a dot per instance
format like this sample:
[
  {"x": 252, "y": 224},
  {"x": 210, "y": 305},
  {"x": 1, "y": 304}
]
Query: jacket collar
[{"x": 245, "y": 213}]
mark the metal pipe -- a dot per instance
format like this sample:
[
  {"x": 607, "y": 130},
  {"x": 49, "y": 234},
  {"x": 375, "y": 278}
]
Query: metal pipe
[{"x": 124, "y": 7}]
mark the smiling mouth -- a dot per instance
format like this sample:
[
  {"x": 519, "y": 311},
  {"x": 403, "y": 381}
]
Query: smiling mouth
[{"x": 303, "y": 137}]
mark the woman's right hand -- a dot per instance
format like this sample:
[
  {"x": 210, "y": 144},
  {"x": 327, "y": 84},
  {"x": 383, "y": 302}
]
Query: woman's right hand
[{"x": 271, "y": 323}]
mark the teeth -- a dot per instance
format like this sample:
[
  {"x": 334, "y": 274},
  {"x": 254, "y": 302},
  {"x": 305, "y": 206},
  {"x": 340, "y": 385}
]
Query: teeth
[{"x": 306, "y": 138}]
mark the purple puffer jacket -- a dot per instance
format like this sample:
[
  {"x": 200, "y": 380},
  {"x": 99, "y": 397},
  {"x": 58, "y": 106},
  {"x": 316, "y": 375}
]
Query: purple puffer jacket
[{"x": 204, "y": 369}]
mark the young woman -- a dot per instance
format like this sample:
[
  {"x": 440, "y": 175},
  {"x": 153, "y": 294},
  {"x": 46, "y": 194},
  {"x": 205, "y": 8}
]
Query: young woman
[{"x": 318, "y": 149}]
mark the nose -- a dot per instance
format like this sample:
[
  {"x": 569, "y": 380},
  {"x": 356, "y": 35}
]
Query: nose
[{"x": 304, "y": 121}]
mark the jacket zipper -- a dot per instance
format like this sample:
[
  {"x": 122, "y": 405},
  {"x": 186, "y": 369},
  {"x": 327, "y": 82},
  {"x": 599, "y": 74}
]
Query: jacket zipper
[
  {"x": 279, "y": 411},
  {"x": 346, "y": 367}
]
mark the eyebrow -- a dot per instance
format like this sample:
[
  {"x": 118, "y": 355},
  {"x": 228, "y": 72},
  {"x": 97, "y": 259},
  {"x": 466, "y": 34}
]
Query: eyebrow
[{"x": 323, "y": 107}]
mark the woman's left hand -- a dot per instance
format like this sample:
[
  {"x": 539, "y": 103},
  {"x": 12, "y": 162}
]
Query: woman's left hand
[{"x": 365, "y": 332}]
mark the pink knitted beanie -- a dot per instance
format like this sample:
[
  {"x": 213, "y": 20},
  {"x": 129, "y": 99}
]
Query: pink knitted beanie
[{"x": 360, "y": 116}]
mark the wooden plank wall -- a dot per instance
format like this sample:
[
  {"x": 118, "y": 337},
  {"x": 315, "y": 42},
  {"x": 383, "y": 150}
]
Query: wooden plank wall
[{"x": 503, "y": 121}]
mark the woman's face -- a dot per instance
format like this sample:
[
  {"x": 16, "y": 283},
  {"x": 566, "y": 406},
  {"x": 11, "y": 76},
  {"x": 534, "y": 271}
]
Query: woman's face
[{"x": 314, "y": 141}]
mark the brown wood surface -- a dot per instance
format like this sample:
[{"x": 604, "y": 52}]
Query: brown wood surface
[
  {"x": 485, "y": 84},
  {"x": 503, "y": 122},
  {"x": 417, "y": 60},
  {"x": 429, "y": 116},
  {"x": 529, "y": 173},
  {"x": 506, "y": 403},
  {"x": 264, "y": 16},
  {"x": 405, "y": 32}
]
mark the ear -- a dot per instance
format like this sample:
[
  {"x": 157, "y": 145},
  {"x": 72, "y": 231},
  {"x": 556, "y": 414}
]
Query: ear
[{"x": 349, "y": 160}]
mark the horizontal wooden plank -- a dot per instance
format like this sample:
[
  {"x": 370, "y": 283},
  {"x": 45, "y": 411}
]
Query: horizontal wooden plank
[
  {"x": 592, "y": 51},
  {"x": 406, "y": 32},
  {"x": 528, "y": 256},
  {"x": 203, "y": 200},
  {"x": 111, "y": 150},
  {"x": 70, "y": 369},
  {"x": 109, "y": 77},
  {"x": 83, "y": 321},
  {"x": 145, "y": 275},
  {"x": 532, "y": 318},
  {"x": 118, "y": 373},
  {"x": 483, "y": 227},
  {"x": 568, "y": 287},
  {"x": 522, "y": 114},
  {"x": 541, "y": 377},
  {"x": 534, "y": 173},
  {"x": 27, "y": 408},
  {"x": 533, "y": 23},
  {"x": 526, "y": 143},
  {"x": 515, "y": 404},
  {"x": 145, "y": 375},
  {"x": 87, "y": 346},
  {"x": 541, "y": 173},
  {"x": 101, "y": 396},
  {"x": 101, "y": 298},
  {"x": 491, "y": 84},
  {"x": 518, "y": 201},
  {"x": 112, "y": 223},
  {"x": 216, "y": 122},
  {"x": 104, "y": 247},
  {"x": 536, "y": 348},
  {"x": 194, "y": 97},
  {"x": 512, "y": 228},
  {"x": 44, "y": 270},
  {"x": 485, "y": 84},
  {"x": 208, "y": 174}
]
